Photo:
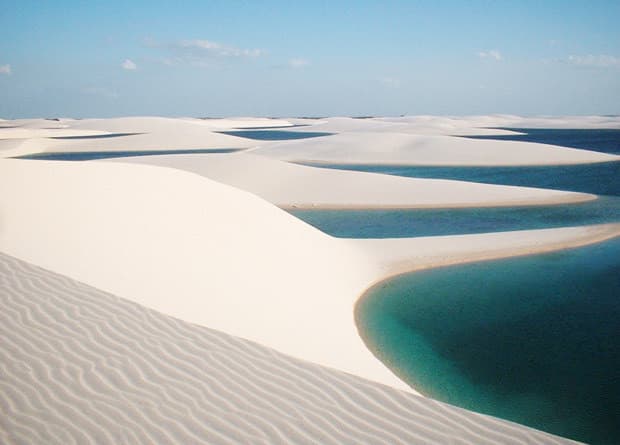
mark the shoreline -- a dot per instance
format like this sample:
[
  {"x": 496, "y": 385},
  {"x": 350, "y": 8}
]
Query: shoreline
[
  {"x": 579, "y": 198},
  {"x": 396, "y": 265},
  {"x": 323, "y": 163}
]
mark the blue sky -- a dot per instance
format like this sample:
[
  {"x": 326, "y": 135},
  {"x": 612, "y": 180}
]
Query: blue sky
[{"x": 288, "y": 58}]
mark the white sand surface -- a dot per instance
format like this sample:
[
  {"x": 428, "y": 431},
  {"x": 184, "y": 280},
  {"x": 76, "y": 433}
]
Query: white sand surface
[
  {"x": 24, "y": 133},
  {"x": 454, "y": 125},
  {"x": 216, "y": 256},
  {"x": 83, "y": 366},
  {"x": 296, "y": 186},
  {"x": 192, "y": 248},
  {"x": 417, "y": 149}
]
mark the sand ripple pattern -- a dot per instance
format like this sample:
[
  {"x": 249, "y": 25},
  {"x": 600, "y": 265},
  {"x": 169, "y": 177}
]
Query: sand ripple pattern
[{"x": 80, "y": 366}]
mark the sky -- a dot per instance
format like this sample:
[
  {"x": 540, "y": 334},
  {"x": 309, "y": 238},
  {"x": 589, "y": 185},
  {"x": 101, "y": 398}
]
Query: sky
[{"x": 312, "y": 58}]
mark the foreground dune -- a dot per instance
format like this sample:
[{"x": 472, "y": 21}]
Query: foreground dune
[
  {"x": 83, "y": 366},
  {"x": 296, "y": 186}
]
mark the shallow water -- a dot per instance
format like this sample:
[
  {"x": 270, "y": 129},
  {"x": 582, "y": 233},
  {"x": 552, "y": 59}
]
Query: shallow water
[
  {"x": 531, "y": 339},
  {"x": 395, "y": 223},
  {"x": 275, "y": 135}
]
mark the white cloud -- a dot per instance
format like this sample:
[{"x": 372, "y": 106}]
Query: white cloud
[
  {"x": 490, "y": 54},
  {"x": 298, "y": 62},
  {"x": 199, "y": 52},
  {"x": 5, "y": 69},
  {"x": 596, "y": 61},
  {"x": 390, "y": 82},
  {"x": 217, "y": 49},
  {"x": 129, "y": 65}
]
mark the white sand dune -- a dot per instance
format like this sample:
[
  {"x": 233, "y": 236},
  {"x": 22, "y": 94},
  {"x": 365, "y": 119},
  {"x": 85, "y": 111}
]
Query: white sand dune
[
  {"x": 296, "y": 186},
  {"x": 192, "y": 248},
  {"x": 415, "y": 125},
  {"x": 83, "y": 366},
  {"x": 24, "y": 133},
  {"x": 146, "y": 124},
  {"x": 416, "y": 149},
  {"x": 456, "y": 125}
]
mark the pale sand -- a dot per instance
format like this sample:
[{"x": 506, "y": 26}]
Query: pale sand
[
  {"x": 421, "y": 149},
  {"x": 219, "y": 257},
  {"x": 456, "y": 125},
  {"x": 295, "y": 186},
  {"x": 83, "y": 366}
]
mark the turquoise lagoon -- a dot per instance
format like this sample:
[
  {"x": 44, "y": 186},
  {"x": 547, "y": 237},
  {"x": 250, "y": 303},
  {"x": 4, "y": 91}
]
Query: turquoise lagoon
[{"x": 531, "y": 339}]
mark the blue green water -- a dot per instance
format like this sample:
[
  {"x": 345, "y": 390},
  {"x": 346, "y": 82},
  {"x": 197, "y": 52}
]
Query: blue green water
[
  {"x": 395, "y": 223},
  {"x": 275, "y": 135},
  {"x": 531, "y": 339}
]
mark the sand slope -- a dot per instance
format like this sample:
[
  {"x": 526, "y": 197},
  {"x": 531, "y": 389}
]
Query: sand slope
[
  {"x": 290, "y": 185},
  {"x": 82, "y": 366}
]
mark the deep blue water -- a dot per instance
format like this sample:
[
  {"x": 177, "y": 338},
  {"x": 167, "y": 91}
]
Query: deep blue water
[
  {"x": 603, "y": 140},
  {"x": 531, "y": 339},
  {"x": 394, "y": 223},
  {"x": 92, "y": 155},
  {"x": 275, "y": 135},
  {"x": 278, "y": 127}
]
